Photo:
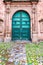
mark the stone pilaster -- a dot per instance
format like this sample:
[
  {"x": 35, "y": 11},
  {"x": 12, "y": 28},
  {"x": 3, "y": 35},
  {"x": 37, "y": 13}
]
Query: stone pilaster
[
  {"x": 8, "y": 31},
  {"x": 34, "y": 24}
]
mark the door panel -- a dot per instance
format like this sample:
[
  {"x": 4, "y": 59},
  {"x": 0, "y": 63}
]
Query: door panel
[
  {"x": 17, "y": 14},
  {"x": 21, "y": 26},
  {"x": 16, "y": 19}
]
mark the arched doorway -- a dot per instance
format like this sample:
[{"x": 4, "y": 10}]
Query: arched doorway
[{"x": 21, "y": 26}]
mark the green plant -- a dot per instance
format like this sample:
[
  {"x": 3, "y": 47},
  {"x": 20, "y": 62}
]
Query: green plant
[
  {"x": 4, "y": 55},
  {"x": 34, "y": 52}
]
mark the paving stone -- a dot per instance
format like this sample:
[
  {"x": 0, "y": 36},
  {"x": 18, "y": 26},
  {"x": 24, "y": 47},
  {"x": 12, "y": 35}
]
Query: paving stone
[
  {"x": 10, "y": 60},
  {"x": 18, "y": 54},
  {"x": 1, "y": 40}
]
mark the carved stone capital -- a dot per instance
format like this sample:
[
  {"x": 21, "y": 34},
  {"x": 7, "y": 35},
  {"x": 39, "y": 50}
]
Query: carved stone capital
[
  {"x": 33, "y": 8},
  {"x": 8, "y": 8}
]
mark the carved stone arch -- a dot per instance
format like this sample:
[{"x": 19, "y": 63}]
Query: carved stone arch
[{"x": 22, "y": 10}]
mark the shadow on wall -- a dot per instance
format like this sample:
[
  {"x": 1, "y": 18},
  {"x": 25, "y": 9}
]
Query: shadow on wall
[
  {"x": 41, "y": 29},
  {"x": 41, "y": 20},
  {"x": 1, "y": 31}
]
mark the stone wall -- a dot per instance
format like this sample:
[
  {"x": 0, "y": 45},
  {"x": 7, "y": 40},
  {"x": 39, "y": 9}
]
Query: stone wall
[
  {"x": 40, "y": 20},
  {"x": 35, "y": 10},
  {"x": 2, "y": 20},
  {"x": 30, "y": 8}
]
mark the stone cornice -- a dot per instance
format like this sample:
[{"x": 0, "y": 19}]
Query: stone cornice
[{"x": 21, "y": 0}]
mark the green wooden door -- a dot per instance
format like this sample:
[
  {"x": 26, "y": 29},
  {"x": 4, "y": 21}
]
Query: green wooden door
[{"x": 21, "y": 26}]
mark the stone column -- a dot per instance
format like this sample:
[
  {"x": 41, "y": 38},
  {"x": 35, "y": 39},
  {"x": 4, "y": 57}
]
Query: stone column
[
  {"x": 34, "y": 24},
  {"x": 8, "y": 31}
]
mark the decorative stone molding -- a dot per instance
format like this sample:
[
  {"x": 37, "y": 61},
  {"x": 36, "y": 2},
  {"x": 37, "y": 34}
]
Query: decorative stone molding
[
  {"x": 8, "y": 8},
  {"x": 21, "y": 4},
  {"x": 34, "y": 24},
  {"x": 33, "y": 12}
]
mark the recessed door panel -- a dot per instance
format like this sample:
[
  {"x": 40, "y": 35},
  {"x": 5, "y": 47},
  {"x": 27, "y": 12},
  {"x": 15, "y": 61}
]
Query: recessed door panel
[{"x": 21, "y": 26}]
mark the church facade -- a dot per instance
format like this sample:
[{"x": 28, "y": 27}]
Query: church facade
[{"x": 21, "y": 20}]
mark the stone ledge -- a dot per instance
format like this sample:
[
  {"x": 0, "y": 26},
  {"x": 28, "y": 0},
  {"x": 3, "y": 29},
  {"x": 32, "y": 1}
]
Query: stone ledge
[
  {"x": 7, "y": 39},
  {"x": 34, "y": 37}
]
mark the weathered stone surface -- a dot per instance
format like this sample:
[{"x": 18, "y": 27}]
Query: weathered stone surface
[
  {"x": 1, "y": 40},
  {"x": 7, "y": 39},
  {"x": 18, "y": 54}
]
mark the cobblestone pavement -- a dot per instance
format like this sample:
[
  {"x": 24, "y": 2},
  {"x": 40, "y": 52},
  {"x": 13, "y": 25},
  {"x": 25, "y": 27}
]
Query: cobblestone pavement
[{"x": 18, "y": 54}]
